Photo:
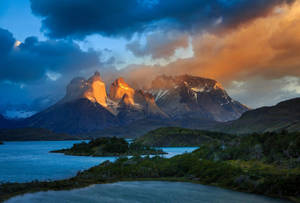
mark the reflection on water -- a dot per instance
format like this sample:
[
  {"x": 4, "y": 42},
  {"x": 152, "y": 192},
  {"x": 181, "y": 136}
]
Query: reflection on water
[{"x": 145, "y": 191}]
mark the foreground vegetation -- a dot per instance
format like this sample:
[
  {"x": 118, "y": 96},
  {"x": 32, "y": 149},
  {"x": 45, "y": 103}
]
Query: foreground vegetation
[
  {"x": 278, "y": 149},
  {"x": 180, "y": 137},
  {"x": 109, "y": 147},
  {"x": 259, "y": 163}
]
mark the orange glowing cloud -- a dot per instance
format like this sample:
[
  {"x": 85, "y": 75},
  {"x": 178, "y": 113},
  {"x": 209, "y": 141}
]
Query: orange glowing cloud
[{"x": 267, "y": 46}]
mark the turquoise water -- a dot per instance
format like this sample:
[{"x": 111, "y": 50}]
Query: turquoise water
[
  {"x": 27, "y": 161},
  {"x": 145, "y": 191}
]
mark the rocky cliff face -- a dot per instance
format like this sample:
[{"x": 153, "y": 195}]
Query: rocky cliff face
[
  {"x": 118, "y": 89},
  {"x": 193, "y": 97},
  {"x": 92, "y": 89},
  {"x": 144, "y": 107},
  {"x": 133, "y": 104}
]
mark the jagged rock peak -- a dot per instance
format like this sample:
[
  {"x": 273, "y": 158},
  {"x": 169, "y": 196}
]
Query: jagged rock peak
[
  {"x": 92, "y": 89},
  {"x": 96, "y": 91},
  {"x": 95, "y": 77},
  {"x": 119, "y": 88}
]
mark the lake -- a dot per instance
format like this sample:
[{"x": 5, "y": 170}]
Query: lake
[
  {"x": 145, "y": 191},
  {"x": 27, "y": 161}
]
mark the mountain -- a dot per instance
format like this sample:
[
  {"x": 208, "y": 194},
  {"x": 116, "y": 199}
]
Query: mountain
[
  {"x": 283, "y": 116},
  {"x": 185, "y": 101},
  {"x": 133, "y": 105},
  {"x": 6, "y": 123},
  {"x": 3, "y": 122},
  {"x": 194, "y": 97},
  {"x": 83, "y": 109},
  {"x": 78, "y": 116},
  {"x": 92, "y": 89}
]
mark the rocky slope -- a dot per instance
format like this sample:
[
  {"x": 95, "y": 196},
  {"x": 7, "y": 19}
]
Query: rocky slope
[
  {"x": 6, "y": 123},
  {"x": 78, "y": 116},
  {"x": 131, "y": 105},
  {"x": 283, "y": 116},
  {"x": 195, "y": 97}
]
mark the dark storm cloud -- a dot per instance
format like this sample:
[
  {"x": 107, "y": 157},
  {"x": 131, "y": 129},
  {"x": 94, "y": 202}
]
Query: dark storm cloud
[
  {"x": 6, "y": 42},
  {"x": 78, "y": 18},
  {"x": 159, "y": 44},
  {"x": 33, "y": 59}
]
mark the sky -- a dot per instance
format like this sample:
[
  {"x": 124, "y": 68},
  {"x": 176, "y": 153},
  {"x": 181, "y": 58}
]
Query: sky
[{"x": 252, "y": 46}]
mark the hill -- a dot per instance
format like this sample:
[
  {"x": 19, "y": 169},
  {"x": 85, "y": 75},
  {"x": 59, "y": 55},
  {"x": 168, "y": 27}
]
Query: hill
[
  {"x": 180, "y": 137},
  {"x": 283, "y": 116}
]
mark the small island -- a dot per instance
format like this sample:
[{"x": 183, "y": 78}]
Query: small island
[{"x": 109, "y": 147}]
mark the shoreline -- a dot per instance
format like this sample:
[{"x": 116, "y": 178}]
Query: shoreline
[{"x": 167, "y": 179}]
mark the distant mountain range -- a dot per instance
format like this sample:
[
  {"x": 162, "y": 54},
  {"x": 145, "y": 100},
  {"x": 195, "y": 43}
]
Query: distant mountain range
[
  {"x": 283, "y": 116},
  {"x": 185, "y": 101},
  {"x": 178, "y": 100}
]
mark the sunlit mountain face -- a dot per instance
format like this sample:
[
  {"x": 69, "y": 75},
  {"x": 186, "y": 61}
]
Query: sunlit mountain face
[
  {"x": 118, "y": 89},
  {"x": 92, "y": 89}
]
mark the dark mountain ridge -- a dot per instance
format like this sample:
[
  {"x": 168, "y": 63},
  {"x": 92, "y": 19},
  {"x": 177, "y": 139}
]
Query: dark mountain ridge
[{"x": 283, "y": 116}]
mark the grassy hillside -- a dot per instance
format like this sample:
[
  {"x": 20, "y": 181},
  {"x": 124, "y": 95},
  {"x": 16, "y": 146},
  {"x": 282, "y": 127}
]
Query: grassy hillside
[
  {"x": 32, "y": 134},
  {"x": 180, "y": 137}
]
